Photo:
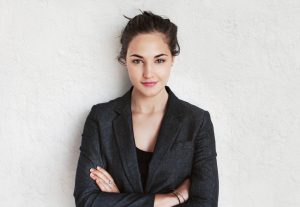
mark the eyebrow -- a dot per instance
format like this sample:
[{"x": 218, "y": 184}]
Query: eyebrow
[{"x": 139, "y": 56}]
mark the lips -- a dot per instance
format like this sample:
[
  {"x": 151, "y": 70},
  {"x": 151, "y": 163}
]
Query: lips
[{"x": 149, "y": 83}]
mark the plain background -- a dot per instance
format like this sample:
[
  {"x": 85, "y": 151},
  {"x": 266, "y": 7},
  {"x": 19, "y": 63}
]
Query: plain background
[{"x": 239, "y": 60}]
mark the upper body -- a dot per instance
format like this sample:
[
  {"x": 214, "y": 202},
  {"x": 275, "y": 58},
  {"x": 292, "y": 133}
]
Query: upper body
[
  {"x": 149, "y": 117},
  {"x": 185, "y": 147}
]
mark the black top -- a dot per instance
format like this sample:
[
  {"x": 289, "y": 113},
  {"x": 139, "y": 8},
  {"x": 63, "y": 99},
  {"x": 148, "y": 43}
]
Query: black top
[{"x": 143, "y": 160}]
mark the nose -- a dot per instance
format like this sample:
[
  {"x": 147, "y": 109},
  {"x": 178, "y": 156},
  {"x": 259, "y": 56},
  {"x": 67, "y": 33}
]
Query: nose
[{"x": 147, "y": 70}]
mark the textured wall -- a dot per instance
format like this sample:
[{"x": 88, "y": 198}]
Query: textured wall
[{"x": 239, "y": 60}]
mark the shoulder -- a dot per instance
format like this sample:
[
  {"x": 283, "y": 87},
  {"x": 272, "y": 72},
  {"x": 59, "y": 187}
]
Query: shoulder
[
  {"x": 105, "y": 109},
  {"x": 191, "y": 108},
  {"x": 195, "y": 113},
  {"x": 105, "y": 106}
]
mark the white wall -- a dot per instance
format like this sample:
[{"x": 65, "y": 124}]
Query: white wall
[{"x": 239, "y": 60}]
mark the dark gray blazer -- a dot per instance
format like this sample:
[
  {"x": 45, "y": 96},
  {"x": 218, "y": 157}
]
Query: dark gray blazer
[{"x": 185, "y": 147}]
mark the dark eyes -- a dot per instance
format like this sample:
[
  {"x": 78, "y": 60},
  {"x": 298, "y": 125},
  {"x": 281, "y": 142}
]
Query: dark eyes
[
  {"x": 160, "y": 60},
  {"x": 137, "y": 61}
]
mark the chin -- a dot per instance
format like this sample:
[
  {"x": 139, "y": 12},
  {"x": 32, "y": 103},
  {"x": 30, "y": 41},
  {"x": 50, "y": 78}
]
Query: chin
[{"x": 151, "y": 91}]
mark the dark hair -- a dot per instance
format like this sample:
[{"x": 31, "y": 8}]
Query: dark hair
[{"x": 148, "y": 22}]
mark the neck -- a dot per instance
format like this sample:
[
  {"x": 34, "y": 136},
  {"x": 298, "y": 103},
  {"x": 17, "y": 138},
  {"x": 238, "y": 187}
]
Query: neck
[{"x": 148, "y": 105}]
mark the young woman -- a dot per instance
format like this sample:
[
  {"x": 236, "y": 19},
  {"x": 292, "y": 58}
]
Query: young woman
[{"x": 147, "y": 147}]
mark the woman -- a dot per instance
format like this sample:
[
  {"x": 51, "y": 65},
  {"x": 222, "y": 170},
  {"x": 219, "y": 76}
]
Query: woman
[{"x": 147, "y": 147}]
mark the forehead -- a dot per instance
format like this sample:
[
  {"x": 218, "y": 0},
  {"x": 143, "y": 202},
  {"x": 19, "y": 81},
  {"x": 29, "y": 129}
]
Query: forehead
[{"x": 149, "y": 44}]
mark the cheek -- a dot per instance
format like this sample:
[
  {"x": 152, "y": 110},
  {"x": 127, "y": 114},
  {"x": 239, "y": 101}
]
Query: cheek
[
  {"x": 164, "y": 70},
  {"x": 133, "y": 73}
]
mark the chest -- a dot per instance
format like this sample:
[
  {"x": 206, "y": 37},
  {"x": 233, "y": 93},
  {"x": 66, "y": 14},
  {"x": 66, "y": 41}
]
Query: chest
[{"x": 146, "y": 129}]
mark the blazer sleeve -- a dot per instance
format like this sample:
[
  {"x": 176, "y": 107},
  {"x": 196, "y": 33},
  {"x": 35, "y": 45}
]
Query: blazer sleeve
[
  {"x": 204, "y": 189},
  {"x": 86, "y": 191}
]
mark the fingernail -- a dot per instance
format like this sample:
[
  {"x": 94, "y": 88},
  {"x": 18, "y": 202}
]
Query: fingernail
[
  {"x": 91, "y": 169},
  {"x": 98, "y": 167}
]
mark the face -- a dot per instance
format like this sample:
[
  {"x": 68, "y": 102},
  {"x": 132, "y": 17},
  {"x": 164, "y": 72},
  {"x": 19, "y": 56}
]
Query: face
[{"x": 149, "y": 60}]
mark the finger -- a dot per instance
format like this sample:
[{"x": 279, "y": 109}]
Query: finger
[
  {"x": 105, "y": 173},
  {"x": 100, "y": 174},
  {"x": 116, "y": 189},
  {"x": 113, "y": 184},
  {"x": 102, "y": 185},
  {"x": 106, "y": 176},
  {"x": 106, "y": 187},
  {"x": 94, "y": 177},
  {"x": 113, "y": 187}
]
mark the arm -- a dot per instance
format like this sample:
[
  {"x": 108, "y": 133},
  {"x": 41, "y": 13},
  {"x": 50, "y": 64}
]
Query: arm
[
  {"x": 204, "y": 190},
  {"x": 86, "y": 191}
]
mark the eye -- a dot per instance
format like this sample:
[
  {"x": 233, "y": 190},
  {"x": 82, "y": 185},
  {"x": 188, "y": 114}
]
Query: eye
[
  {"x": 160, "y": 60},
  {"x": 136, "y": 61}
]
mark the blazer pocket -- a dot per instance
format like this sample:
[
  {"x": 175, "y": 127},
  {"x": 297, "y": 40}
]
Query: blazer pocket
[{"x": 182, "y": 146}]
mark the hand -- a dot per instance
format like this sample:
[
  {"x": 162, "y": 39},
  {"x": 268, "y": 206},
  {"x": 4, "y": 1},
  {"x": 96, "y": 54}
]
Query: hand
[
  {"x": 104, "y": 180},
  {"x": 183, "y": 189}
]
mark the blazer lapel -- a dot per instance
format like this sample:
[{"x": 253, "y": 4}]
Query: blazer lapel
[
  {"x": 123, "y": 129},
  {"x": 125, "y": 140}
]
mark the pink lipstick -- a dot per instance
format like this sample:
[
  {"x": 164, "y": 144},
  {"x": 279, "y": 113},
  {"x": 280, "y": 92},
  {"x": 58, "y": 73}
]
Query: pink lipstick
[{"x": 149, "y": 83}]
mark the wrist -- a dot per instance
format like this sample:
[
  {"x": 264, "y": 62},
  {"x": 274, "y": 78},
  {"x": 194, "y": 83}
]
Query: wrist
[
  {"x": 179, "y": 195},
  {"x": 165, "y": 200},
  {"x": 174, "y": 200}
]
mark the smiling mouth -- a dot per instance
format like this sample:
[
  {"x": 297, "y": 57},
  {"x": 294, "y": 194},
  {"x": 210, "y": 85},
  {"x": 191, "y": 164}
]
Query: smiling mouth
[{"x": 149, "y": 84}]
